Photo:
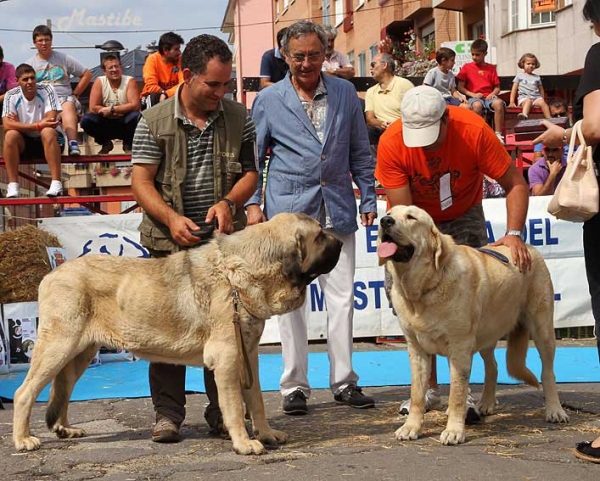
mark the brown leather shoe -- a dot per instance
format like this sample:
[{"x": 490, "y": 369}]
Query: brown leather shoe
[{"x": 165, "y": 430}]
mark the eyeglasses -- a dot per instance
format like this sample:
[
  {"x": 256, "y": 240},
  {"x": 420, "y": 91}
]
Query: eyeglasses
[
  {"x": 310, "y": 58},
  {"x": 559, "y": 114},
  {"x": 552, "y": 149}
]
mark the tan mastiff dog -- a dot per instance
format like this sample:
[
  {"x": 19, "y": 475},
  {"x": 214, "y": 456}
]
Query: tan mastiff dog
[
  {"x": 455, "y": 301},
  {"x": 179, "y": 309}
]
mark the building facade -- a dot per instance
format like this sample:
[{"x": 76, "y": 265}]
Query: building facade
[{"x": 559, "y": 38}]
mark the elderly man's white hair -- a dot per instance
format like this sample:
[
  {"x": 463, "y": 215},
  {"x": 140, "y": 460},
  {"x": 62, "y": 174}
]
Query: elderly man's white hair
[{"x": 330, "y": 30}]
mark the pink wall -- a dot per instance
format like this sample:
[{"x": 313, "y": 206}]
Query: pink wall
[{"x": 253, "y": 35}]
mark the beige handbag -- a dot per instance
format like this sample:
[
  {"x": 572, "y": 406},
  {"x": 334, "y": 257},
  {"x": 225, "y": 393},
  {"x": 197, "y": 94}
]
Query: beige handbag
[{"x": 576, "y": 196}]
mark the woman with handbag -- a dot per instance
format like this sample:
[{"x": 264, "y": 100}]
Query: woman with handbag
[{"x": 587, "y": 107}]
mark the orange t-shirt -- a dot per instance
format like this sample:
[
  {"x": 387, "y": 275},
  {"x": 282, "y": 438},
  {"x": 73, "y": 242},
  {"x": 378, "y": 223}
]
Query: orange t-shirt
[
  {"x": 160, "y": 75},
  {"x": 470, "y": 150}
]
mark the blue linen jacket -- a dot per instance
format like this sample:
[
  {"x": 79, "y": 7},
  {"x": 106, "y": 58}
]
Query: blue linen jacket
[{"x": 302, "y": 171}]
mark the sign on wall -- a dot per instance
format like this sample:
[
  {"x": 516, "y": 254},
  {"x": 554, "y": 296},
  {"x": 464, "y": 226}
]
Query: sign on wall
[
  {"x": 540, "y": 6},
  {"x": 463, "y": 52}
]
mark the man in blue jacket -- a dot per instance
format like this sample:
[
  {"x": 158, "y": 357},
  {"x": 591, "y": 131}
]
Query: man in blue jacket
[{"x": 314, "y": 127}]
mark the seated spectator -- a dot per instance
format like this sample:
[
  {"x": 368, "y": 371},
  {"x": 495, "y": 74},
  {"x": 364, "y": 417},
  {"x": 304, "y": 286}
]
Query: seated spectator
[
  {"x": 443, "y": 79},
  {"x": 114, "y": 106},
  {"x": 162, "y": 70},
  {"x": 336, "y": 63},
  {"x": 56, "y": 68},
  {"x": 479, "y": 81},
  {"x": 527, "y": 89},
  {"x": 273, "y": 66},
  {"x": 492, "y": 188},
  {"x": 545, "y": 173},
  {"x": 382, "y": 101},
  {"x": 558, "y": 108},
  {"x": 8, "y": 78},
  {"x": 29, "y": 117}
]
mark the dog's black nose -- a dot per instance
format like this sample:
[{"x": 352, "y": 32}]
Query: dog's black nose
[{"x": 387, "y": 221}]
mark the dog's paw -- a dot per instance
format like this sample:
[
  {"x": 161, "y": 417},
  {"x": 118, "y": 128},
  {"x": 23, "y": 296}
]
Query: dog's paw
[
  {"x": 30, "y": 443},
  {"x": 556, "y": 415},
  {"x": 407, "y": 432},
  {"x": 487, "y": 408},
  {"x": 452, "y": 436},
  {"x": 249, "y": 447},
  {"x": 272, "y": 437},
  {"x": 63, "y": 432}
]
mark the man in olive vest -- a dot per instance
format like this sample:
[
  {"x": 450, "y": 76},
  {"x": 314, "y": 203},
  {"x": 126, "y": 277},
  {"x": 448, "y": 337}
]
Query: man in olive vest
[{"x": 194, "y": 167}]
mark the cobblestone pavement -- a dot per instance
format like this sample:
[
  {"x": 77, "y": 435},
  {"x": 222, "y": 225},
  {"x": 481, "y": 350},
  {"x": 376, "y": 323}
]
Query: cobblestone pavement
[{"x": 332, "y": 443}]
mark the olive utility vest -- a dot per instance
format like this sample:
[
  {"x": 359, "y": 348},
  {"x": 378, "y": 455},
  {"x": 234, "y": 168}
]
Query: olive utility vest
[{"x": 169, "y": 181}]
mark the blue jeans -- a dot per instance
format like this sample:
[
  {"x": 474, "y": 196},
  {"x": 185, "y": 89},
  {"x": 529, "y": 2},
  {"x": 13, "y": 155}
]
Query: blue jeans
[{"x": 104, "y": 129}]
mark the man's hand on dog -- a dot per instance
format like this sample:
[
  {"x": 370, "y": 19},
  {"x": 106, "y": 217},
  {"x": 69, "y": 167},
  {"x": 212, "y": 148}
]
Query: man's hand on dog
[
  {"x": 518, "y": 251},
  {"x": 182, "y": 229}
]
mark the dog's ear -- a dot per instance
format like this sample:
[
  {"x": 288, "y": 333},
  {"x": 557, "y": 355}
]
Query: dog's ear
[
  {"x": 438, "y": 247},
  {"x": 291, "y": 264}
]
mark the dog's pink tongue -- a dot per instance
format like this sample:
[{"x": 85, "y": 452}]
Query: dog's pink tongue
[{"x": 386, "y": 249}]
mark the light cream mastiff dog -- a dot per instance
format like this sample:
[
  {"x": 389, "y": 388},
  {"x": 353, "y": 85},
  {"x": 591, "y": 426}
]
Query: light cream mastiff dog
[
  {"x": 176, "y": 310},
  {"x": 454, "y": 300}
]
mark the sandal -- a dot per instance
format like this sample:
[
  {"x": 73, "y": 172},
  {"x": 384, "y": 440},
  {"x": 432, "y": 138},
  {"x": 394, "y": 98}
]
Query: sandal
[{"x": 586, "y": 452}]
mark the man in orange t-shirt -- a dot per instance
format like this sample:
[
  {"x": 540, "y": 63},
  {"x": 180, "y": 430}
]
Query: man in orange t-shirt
[
  {"x": 435, "y": 157},
  {"x": 162, "y": 70}
]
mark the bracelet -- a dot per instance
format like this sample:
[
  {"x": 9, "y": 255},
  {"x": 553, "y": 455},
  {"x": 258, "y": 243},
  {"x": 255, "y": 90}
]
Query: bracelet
[
  {"x": 565, "y": 140},
  {"x": 37, "y": 126}
]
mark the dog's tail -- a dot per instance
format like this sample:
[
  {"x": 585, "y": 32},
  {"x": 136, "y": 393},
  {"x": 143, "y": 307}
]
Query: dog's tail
[{"x": 516, "y": 352}]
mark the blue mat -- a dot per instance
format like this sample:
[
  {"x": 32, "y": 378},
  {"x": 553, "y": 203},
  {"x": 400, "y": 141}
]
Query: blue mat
[{"x": 375, "y": 368}]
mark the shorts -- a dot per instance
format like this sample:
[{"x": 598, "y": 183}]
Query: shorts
[
  {"x": 75, "y": 101},
  {"x": 487, "y": 104},
  {"x": 34, "y": 148},
  {"x": 468, "y": 230},
  {"x": 534, "y": 101}
]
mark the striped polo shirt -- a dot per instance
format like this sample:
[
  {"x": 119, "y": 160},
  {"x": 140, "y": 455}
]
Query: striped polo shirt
[{"x": 198, "y": 189}]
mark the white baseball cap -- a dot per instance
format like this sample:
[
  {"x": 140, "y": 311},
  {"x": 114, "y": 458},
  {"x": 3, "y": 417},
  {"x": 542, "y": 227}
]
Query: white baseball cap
[{"x": 422, "y": 109}]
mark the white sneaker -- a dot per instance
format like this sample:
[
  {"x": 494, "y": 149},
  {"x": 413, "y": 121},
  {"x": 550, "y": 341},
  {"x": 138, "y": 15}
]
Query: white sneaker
[
  {"x": 12, "y": 190},
  {"x": 432, "y": 401},
  {"x": 55, "y": 189},
  {"x": 473, "y": 414},
  {"x": 500, "y": 137}
]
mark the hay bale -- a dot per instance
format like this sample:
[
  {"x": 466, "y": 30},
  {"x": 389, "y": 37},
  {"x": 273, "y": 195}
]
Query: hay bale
[{"x": 24, "y": 262}]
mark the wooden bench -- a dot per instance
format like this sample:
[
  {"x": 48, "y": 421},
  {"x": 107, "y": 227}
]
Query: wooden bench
[
  {"x": 82, "y": 159},
  {"x": 89, "y": 201}
]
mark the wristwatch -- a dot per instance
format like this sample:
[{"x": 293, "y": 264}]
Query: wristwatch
[
  {"x": 231, "y": 204},
  {"x": 518, "y": 233},
  {"x": 112, "y": 110}
]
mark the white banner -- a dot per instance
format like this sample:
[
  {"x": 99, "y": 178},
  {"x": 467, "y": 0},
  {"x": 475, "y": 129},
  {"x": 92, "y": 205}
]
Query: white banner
[{"x": 559, "y": 242}]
